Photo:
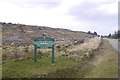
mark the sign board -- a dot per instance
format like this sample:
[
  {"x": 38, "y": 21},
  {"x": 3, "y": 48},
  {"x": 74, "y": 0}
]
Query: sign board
[{"x": 43, "y": 43}]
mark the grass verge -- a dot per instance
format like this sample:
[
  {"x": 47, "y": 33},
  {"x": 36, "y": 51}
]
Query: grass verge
[
  {"x": 105, "y": 63},
  {"x": 102, "y": 65},
  {"x": 27, "y": 68}
]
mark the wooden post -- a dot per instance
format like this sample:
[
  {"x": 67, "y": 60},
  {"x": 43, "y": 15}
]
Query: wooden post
[
  {"x": 53, "y": 54},
  {"x": 35, "y": 53}
]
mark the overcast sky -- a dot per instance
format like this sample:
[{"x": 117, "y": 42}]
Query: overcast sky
[{"x": 79, "y": 15}]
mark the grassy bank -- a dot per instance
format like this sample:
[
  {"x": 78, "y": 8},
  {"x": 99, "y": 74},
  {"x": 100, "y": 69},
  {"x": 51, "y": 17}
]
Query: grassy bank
[
  {"x": 27, "y": 68},
  {"x": 105, "y": 63},
  {"x": 102, "y": 65}
]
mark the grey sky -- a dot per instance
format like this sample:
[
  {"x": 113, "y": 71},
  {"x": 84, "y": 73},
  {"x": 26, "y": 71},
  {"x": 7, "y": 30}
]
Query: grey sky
[
  {"x": 36, "y": 3},
  {"x": 89, "y": 11},
  {"x": 80, "y": 15},
  {"x": 119, "y": 15}
]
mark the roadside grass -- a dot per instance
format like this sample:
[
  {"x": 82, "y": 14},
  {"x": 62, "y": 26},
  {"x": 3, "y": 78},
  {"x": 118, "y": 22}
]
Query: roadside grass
[
  {"x": 73, "y": 72},
  {"x": 27, "y": 68},
  {"x": 64, "y": 67},
  {"x": 108, "y": 66}
]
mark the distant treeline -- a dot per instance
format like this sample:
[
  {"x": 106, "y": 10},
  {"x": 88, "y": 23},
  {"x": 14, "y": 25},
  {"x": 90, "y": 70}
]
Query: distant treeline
[
  {"x": 116, "y": 35},
  {"x": 94, "y": 33}
]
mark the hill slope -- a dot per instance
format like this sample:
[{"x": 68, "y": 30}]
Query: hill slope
[{"x": 21, "y": 34}]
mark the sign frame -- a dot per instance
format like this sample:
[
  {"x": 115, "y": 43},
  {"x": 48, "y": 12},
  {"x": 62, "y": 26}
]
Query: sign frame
[{"x": 43, "y": 43}]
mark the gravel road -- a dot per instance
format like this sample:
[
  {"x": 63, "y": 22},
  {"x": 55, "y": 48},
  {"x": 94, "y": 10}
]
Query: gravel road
[{"x": 115, "y": 44}]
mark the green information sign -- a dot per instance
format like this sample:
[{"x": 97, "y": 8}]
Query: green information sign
[{"x": 43, "y": 43}]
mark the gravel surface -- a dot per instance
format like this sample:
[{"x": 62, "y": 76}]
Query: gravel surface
[{"x": 115, "y": 44}]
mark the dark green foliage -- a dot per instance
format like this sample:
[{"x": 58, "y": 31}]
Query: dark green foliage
[
  {"x": 89, "y": 32},
  {"x": 95, "y": 33},
  {"x": 62, "y": 48},
  {"x": 116, "y": 35},
  {"x": 109, "y": 36}
]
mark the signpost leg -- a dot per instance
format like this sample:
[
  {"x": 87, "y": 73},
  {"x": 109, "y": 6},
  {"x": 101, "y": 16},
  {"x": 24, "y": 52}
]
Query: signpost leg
[
  {"x": 53, "y": 54},
  {"x": 35, "y": 54}
]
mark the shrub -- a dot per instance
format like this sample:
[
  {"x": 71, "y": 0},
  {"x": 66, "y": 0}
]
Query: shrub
[{"x": 62, "y": 48}]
